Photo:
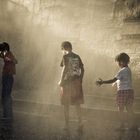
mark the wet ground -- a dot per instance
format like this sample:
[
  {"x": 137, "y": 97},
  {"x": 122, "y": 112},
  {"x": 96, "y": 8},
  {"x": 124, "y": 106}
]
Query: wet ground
[
  {"x": 27, "y": 126},
  {"x": 38, "y": 120}
]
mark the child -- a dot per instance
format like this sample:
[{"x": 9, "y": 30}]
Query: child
[
  {"x": 125, "y": 94},
  {"x": 71, "y": 82},
  {"x": 9, "y": 70}
]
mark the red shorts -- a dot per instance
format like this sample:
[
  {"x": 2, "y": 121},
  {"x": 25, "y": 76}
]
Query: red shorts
[
  {"x": 125, "y": 97},
  {"x": 72, "y": 93}
]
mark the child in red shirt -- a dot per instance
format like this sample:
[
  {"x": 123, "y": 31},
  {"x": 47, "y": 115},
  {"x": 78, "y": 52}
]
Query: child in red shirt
[{"x": 7, "y": 80}]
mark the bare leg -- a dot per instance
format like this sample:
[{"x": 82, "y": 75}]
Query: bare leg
[
  {"x": 66, "y": 114},
  {"x": 130, "y": 116},
  {"x": 121, "y": 115},
  {"x": 79, "y": 115}
]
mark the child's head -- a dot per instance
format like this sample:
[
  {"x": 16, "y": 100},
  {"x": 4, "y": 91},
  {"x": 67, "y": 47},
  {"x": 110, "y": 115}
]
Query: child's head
[
  {"x": 123, "y": 59},
  {"x": 66, "y": 46},
  {"x": 6, "y": 46}
]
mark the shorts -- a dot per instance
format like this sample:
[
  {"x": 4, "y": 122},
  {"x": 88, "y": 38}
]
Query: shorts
[
  {"x": 125, "y": 97},
  {"x": 72, "y": 93}
]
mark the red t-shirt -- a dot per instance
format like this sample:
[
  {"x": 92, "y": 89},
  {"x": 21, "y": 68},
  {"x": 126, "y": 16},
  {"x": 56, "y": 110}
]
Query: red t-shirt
[{"x": 9, "y": 64}]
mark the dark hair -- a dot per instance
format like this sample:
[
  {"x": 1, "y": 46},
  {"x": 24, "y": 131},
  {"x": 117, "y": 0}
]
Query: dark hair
[
  {"x": 122, "y": 57},
  {"x": 66, "y": 45},
  {"x": 2, "y": 47},
  {"x": 6, "y": 46}
]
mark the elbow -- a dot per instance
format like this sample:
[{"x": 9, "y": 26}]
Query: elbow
[{"x": 15, "y": 61}]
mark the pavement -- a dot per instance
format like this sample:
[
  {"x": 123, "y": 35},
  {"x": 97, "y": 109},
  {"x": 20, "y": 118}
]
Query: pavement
[
  {"x": 44, "y": 120},
  {"x": 98, "y": 125}
]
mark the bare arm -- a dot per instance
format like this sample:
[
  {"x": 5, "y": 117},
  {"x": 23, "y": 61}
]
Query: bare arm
[
  {"x": 61, "y": 82},
  {"x": 82, "y": 69},
  {"x": 100, "y": 81},
  {"x": 82, "y": 73}
]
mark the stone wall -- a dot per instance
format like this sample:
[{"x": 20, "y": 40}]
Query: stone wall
[{"x": 42, "y": 25}]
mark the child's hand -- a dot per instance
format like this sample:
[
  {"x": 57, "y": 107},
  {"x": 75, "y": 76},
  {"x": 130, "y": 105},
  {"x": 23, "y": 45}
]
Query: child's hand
[
  {"x": 7, "y": 59},
  {"x": 60, "y": 83},
  {"x": 99, "y": 82}
]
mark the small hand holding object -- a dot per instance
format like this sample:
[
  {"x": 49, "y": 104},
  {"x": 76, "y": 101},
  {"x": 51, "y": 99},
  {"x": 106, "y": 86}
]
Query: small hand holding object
[{"x": 99, "y": 82}]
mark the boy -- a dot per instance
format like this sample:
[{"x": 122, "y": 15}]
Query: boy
[
  {"x": 125, "y": 94},
  {"x": 71, "y": 82}
]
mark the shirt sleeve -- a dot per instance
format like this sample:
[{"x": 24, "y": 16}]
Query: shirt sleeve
[
  {"x": 80, "y": 62},
  {"x": 119, "y": 75}
]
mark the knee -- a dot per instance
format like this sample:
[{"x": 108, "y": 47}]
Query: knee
[
  {"x": 121, "y": 108},
  {"x": 129, "y": 109}
]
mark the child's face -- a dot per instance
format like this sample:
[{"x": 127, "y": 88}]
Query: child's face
[
  {"x": 4, "y": 52},
  {"x": 64, "y": 52}
]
